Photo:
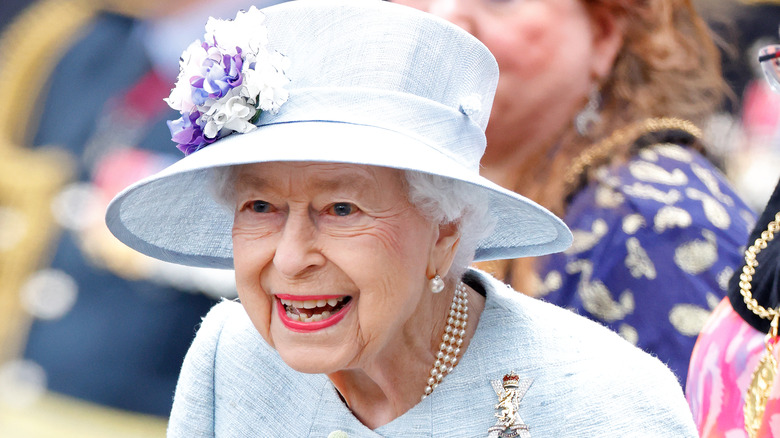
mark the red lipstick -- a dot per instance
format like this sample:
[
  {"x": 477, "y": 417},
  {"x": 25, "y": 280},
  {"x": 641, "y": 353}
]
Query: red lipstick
[{"x": 306, "y": 327}]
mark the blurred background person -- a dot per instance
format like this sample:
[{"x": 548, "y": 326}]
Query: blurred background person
[
  {"x": 596, "y": 118},
  {"x": 91, "y": 336},
  {"x": 732, "y": 389},
  {"x": 738, "y": 25},
  {"x": 728, "y": 393},
  {"x": 746, "y": 136}
]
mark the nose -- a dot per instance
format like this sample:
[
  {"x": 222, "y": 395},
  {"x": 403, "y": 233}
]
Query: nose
[
  {"x": 457, "y": 12},
  {"x": 296, "y": 251}
]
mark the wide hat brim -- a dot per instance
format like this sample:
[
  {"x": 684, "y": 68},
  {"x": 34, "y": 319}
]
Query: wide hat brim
[{"x": 172, "y": 216}]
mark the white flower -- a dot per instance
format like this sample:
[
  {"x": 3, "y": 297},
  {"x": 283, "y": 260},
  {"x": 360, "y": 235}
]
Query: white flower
[
  {"x": 190, "y": 65},
  {"x": 181, "y": 97},
  {"x": 272, "y": 98},
  {"x": 246, "y": 31},
  {"x": 265, "y": 84},
  {"x": 191, "y": 60},
  {"x": 232, "y": 113}
]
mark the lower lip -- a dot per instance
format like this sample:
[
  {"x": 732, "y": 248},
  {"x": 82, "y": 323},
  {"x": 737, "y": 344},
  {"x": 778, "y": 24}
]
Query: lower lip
[{"x": 298, "y": 326}]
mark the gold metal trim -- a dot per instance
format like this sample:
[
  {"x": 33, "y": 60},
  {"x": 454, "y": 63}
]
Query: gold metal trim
[
  {"x": 29, "y": 181},
  {"x": 763, "y": 377},
  {"x": 623, "y": 136},
  {"x": 30, "y": 47}
]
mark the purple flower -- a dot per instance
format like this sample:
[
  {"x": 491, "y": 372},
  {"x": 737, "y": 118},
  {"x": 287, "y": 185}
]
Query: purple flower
[
  {"x": 187, "y": 133},
  {"x": 219, "y": 74},
  {"x": 225, "y": 82}
]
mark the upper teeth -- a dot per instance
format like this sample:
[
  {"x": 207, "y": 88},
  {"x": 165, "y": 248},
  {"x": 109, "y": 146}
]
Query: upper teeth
[{"x": 311, "y": 304}]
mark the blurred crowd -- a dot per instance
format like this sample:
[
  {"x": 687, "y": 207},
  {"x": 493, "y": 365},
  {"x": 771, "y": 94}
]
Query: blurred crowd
[
  {"x": 744, "y": 136},
  {"x": 92, "y": 335}
]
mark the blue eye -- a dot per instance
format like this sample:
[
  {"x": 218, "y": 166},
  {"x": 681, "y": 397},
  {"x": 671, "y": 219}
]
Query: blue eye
[
  {"x": 261, "y": 207},
  {"x": 343, "y": 208}
]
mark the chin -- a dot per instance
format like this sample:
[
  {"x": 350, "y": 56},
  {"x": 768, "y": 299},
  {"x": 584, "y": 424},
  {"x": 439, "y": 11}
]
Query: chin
[{"x": 309, "y": 362}]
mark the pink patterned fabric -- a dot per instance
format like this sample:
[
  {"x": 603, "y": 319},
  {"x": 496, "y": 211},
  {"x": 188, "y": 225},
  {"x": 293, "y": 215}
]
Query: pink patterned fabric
[{"x": 726, "y": 354}]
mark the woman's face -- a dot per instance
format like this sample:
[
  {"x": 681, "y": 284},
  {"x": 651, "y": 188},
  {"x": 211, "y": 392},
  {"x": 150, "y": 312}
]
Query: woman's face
[
  {"x": 331, "y": 260},
  {"x": 548, "y": 57}
]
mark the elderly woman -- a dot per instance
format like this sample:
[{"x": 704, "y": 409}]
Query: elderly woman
[
  {"x": 595, "y": 117},
  {"x": 332, "y": 160}
]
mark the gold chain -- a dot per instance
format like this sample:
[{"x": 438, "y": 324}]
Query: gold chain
[
  {"x": 763, "y": 378},
  {"x": 750, "y": 269},
  {"x": 625, "y": 135}
]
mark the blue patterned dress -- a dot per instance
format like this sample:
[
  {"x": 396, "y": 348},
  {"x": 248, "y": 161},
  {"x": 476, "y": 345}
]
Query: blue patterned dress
[{"x": 655, "y": 242}]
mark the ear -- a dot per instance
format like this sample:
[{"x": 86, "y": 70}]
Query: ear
[
  {"x": 608, "y": 30},
  {"x": 443, "y": 251}
]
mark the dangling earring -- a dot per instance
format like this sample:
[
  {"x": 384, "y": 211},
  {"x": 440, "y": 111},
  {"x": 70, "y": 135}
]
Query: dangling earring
[
  {"x": 436, "y": 284},
  {"x": 589, "y": 116}
]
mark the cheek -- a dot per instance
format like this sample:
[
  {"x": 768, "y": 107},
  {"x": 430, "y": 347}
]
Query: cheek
[
  {"x": 407, "y": 242},
  {"x": 250, "y": 253},
  {"x": 259, "y": 307},
  {"x": 543, "y": 58},
  {"x": 389, "y": 272},
  {"x": 378, "y": 260},
  {"x": 249, "y": 260},
  {"x": 538, "y": 38},
  {"x": 391, "y": 241},
  {"x": 373, "y": 259}
]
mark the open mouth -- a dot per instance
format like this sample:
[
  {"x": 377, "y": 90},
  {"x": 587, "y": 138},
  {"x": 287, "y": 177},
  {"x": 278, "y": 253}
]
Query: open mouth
[{"x": 313, "y": 310}]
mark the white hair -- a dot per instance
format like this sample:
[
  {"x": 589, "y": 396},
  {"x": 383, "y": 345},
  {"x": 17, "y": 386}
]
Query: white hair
[
  {"x": 443, "y": 201},
  {"x": 439, "y": 199}
]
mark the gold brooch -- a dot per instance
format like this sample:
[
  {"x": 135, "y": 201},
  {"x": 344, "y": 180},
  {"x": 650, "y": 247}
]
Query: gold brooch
[{"x": 510, "y": 390}]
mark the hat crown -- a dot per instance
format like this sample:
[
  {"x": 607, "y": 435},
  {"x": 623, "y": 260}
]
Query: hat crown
[
  {"x": 378, "y": 64},
  {"x": 360, "y": 44}
]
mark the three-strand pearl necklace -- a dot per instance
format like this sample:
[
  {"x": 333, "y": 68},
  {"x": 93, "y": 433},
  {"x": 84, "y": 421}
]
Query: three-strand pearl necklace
[{"x": 451, "y": 340}]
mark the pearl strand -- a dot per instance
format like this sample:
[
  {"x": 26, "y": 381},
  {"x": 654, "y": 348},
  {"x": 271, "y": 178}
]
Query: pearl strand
[{"x": 452, "y": 339}]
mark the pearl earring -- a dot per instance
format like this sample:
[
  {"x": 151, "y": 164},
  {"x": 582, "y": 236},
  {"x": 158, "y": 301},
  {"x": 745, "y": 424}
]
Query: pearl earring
[{"x": 436, "y": 284}]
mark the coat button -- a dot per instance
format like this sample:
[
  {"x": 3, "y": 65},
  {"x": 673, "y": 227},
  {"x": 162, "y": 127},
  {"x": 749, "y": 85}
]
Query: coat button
[{"x": 338, "y": 434}]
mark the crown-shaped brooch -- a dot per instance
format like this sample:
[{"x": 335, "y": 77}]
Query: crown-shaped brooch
[{"x": 511, "y": 380}]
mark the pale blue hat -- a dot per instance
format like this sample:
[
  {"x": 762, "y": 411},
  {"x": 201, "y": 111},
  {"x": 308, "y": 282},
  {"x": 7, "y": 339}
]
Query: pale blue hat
[{"x": 369, "y": 82}]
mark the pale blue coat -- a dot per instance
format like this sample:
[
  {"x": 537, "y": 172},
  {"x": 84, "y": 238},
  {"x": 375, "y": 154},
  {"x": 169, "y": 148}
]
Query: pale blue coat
[{"x": 587, "y": 382}]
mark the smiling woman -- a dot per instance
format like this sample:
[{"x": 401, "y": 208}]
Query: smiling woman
[
  {"x": 301, "y": 234},
  {"x": 334, "y": 164},
  {"x": 307, "y": 243}
]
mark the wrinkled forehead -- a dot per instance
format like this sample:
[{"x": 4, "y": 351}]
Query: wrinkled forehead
[{"x": 317, "y": 175}]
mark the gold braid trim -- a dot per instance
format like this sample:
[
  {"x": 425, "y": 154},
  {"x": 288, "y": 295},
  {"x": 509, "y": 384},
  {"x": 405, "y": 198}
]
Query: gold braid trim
[
  {"x": 30, "y": 47},
  {"x": 29, "y": 181},
  {"x": 750, "y": 269},
  {"x": 626, "y": 135},
  {"x": 763, "y": 378}
]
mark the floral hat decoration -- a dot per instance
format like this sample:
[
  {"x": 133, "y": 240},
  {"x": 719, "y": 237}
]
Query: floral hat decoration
[
  {"x": 341, "y": 81},
  {"x": 226, "y": 82}
]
